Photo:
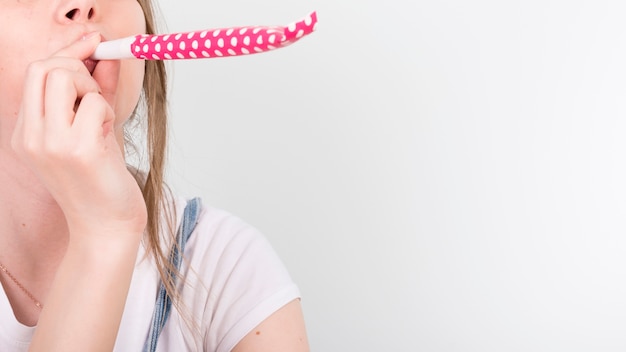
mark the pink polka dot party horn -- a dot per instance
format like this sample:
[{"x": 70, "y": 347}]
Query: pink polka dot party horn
[{"x": 210, "y": 43}]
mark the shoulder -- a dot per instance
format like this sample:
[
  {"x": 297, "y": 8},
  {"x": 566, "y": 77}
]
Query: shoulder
[
  {"x": 233, "y": 275},
  {"x": 220, "y": 232},
  {"x": 226, "y": 248}
]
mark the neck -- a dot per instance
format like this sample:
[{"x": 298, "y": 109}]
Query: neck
[{"x": 33, "y": 231}]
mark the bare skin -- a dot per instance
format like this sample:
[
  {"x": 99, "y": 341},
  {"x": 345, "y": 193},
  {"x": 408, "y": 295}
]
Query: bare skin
[{"x": 55, "y": 158}]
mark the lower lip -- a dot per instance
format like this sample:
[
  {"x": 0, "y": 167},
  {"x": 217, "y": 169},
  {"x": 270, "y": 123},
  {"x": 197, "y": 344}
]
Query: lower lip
[{"x": 90, "y": 64}]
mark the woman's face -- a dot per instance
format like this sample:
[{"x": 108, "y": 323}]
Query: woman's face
[{"x": 33, "y": 30}]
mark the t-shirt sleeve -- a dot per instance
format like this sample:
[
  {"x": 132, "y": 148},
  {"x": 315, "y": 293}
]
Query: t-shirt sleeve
[{"x": 242, "y": 281}]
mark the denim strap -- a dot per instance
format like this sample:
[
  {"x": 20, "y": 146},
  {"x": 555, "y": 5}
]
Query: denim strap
[{"x": 163, "y": 301}]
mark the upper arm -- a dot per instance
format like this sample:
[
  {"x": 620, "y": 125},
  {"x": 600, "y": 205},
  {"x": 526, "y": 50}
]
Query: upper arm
[{"x": 283, "y": 331}]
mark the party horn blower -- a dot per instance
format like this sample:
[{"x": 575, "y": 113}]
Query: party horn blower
[{"x": 210, "y": 43}]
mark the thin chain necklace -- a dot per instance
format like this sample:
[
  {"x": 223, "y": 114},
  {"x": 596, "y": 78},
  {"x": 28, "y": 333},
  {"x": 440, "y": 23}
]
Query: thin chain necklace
[{"x": 30, "y": 295}]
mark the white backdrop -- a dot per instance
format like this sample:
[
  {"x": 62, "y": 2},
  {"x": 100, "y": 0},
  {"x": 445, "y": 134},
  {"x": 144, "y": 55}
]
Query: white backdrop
[{"x": 437, "y": 175}]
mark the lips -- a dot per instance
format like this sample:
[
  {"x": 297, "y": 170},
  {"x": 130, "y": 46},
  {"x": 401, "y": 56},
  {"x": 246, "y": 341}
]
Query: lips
[{"x": 91, "y": 65}]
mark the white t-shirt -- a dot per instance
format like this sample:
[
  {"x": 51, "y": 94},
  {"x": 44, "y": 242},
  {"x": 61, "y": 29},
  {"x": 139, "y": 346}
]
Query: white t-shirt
[{"x": 234, "y": 280}]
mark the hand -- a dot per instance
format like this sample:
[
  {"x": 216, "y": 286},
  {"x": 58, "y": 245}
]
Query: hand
[{"x": 66, "y": 133}]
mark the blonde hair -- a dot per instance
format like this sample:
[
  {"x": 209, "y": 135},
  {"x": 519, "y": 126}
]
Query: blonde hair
[{"x": 155, "y": 192}]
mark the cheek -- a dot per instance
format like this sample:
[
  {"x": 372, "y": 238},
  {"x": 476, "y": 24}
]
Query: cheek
[
  {"x": 11, "y": 90},
  {"x": 129, "y": 88},
  {"x": 11, "y": 86},
  {"x": 13, "y": 62}
]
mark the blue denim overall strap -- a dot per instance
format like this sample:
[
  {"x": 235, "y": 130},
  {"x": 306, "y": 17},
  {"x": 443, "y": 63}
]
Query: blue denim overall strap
[{"x": 163, "y": 302}]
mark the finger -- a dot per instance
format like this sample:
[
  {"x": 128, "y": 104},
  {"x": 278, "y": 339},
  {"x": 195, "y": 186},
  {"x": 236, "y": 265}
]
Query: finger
[
  {"x": 94, "y": 119},
  {"x": 63, "y": 88},
  {"x": 37, "y": 72},
  {"x": 82, "y": 48},
  {"x": 33, "y": 102}
]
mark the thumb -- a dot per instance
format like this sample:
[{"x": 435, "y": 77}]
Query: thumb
[{"x": 82, "y": 48}]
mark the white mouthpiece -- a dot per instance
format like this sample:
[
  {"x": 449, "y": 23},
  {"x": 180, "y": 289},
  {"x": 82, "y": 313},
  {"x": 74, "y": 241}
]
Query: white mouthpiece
[{"x": 114, "y": 50}]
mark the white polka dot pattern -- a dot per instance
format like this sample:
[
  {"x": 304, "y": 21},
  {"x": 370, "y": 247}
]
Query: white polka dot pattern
[{"x": 222, "y": 42}]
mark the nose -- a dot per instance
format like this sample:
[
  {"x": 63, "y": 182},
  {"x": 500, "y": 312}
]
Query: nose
[{"x": 77, "y": 11}]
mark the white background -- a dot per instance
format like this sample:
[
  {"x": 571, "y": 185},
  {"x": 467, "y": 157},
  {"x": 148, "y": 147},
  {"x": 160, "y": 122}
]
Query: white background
[{"x": 437, "y": 175}]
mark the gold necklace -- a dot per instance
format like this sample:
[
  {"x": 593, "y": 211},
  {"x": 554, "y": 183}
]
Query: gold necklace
[{"x": 30, "y": 295}]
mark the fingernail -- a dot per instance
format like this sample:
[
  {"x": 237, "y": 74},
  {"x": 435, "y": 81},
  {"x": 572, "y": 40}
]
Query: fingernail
[{"x": 89, "y": 35}]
